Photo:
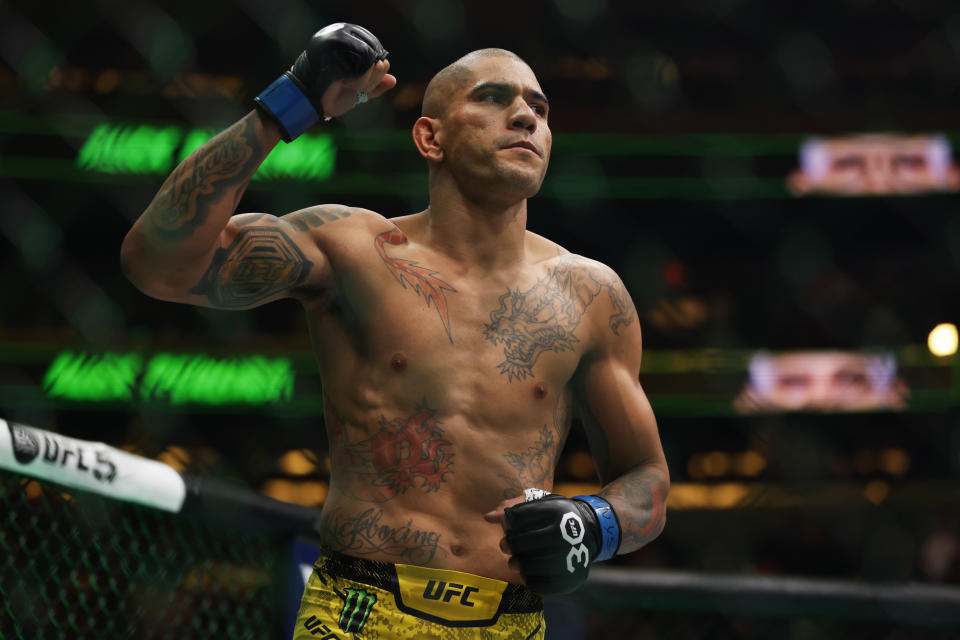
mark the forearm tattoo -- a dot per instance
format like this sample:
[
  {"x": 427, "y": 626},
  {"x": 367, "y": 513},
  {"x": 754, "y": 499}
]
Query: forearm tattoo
[
  {"x": 214, "y": 171},
  {"x": 259, "y": 263},
  {"x": 403, "y": 454},
  {"x": 644, "y": 492},
  {"x": 422, "y": 280},
  {"x": 365, "y": 534},
  {"x": 544, "y": 317}
]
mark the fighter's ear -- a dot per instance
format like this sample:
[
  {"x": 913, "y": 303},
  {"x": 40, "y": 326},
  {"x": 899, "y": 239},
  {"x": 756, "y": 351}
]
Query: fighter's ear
[{"x": 426, "y": 135}]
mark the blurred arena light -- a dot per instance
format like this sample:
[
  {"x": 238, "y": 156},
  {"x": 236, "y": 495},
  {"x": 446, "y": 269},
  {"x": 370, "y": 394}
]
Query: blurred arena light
[
  {"x": 309, "y": 493},
  {"x": 177, "y": 378},
  {"x": 298, "y": 462},
  {"x": 943, "y": 339},
  {"x": 144, "y": 149}
]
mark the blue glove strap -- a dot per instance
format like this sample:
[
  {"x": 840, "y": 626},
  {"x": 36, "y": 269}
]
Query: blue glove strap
[
  {"x": 609, "y": 526},
  {"x": 285, "y": 102}
]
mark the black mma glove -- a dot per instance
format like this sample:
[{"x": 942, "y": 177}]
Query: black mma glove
[
  {"x": 555, "y": 539},
  {"x": 295, "y": 99}
]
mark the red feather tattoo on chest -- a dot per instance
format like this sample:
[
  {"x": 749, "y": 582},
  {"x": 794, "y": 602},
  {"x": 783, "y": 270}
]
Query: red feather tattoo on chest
[{"x": 422, "y": 280}]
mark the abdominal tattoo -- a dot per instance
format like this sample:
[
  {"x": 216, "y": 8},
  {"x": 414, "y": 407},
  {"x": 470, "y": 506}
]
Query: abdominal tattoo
[
  {"x": 422, "y": 279},
  {"x": 404, "y": 453},
  {"x": 544, "y": 317},
  {"x": 533, "y": 467},
  {"x": 259, "y": 263},
  {"x": 205, "y": 177},
  {"x": 364, "y": 534}
]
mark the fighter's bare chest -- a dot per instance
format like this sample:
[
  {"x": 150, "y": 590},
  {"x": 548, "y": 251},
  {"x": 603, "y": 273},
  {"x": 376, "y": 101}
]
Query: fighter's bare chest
[{"x": 510, "y": 334}]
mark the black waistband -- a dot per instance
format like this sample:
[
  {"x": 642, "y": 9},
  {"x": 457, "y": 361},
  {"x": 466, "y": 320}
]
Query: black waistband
[{"x": 516, "y": 598}]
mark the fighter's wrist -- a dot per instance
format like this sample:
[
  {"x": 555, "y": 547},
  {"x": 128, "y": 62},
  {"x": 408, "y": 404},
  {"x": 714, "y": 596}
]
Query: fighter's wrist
[
  {"x": 286, "y": 103},
  {"x": 608, "y": 523}
]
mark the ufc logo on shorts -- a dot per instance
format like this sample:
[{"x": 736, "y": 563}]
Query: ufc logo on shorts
[
  {"x": 315, "y": 628},
  {"x": 435, "y": 589},
  {"x": 571, "y": 528}
]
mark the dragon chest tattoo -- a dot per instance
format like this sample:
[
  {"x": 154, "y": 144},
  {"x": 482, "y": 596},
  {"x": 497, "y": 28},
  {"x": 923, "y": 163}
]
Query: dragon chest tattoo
[{"x": 544, "y": 317}]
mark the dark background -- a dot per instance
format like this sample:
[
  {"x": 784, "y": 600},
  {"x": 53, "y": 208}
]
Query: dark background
[{"x": 675, "y": 124}]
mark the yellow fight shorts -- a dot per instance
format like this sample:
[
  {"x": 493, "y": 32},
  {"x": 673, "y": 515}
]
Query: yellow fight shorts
[{"x": 348, "y": 597}]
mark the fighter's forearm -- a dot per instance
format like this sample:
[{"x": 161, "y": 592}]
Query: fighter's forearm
[
  {"x": 639, "y": 498},
  {"x": 185, "y": 218}
]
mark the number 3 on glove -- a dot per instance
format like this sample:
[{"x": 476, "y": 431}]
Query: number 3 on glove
[
  {"x": 571, "y": 528},
  {"x": 554, "y": 539}
]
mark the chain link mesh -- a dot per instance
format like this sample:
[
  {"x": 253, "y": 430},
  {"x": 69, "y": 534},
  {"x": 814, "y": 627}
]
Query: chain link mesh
[{"x": 83, "y": 566}]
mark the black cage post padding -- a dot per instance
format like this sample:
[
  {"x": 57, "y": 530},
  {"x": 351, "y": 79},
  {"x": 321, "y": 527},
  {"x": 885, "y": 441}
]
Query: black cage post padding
[
  {"x": 909, "y": 604},
  {"x": 230, "y": 505}
]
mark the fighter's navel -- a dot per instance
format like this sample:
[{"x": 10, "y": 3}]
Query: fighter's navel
[
  {"x": 540, "y": 390},
  {"x": 398, "y": 362}
]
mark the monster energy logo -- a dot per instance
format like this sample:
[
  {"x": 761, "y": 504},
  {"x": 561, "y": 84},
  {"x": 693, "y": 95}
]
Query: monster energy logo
[{"x": 356, "y": 609}]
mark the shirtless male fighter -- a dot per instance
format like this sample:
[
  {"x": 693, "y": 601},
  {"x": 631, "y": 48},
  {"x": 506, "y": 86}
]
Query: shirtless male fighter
[{"x": 451, "y": 343}]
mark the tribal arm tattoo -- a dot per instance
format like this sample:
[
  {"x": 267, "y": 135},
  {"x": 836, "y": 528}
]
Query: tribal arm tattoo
[
  {"x": 172, "y": 241},
  {"x": 422, "y": 280},
  {"x": 315, "y": 217},
  {"x": 261, "y": 263},
  {"x": 209, "y": 181},
  {"x": 544, "y": 318}
]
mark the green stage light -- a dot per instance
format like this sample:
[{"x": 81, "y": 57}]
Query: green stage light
[
  {"x": 144, "y": 149},
  {"x": 102, "y": 378},
  {"x": 129, "y": 149},
  {"x": 176, "y": 378},
  {"x": 200, "y": 379},
  {"x": 309, "y": 157}
]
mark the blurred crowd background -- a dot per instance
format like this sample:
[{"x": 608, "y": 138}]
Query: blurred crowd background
[{"x": 775, "y": 183}]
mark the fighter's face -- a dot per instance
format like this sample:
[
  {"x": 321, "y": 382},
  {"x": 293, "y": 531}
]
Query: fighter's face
[{"x": 495, "y": 134}]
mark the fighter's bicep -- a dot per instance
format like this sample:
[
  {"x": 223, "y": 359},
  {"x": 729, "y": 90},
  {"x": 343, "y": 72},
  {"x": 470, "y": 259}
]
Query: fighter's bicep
[
  {"x": 615, "y": 412},
  {"x": 260, "y": 258}
]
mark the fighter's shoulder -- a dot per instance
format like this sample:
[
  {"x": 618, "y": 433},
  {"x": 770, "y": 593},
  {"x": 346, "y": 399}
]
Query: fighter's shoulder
[
  {"x": 602, "y": 274},
  {"x": 322, "y": 218},
  {"x": 553, "y": 254},
  {"x": 543, "y": 249},
  {"x": 608, "y": 303}
]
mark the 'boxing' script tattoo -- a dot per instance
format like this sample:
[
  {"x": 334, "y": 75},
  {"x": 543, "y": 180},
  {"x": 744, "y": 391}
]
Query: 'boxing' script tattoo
[
  {"x": 203, "y": 178},
  {"x": 544, "y": 317},
  {"x": 404, "y": 453},
  {"x": 422, "y": 279},
  {"x": 364, "y": 535},
  {"x": 534, "y": 467},
  {"x": 259, "y": 263}
]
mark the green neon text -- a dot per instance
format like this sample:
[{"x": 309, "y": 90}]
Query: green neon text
[
  {"x": 175, "y": 378},
  {"x": 103, "y": 377},
  {"x": 143, "y": 149},
  {"x": 135, "y": 149}
]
